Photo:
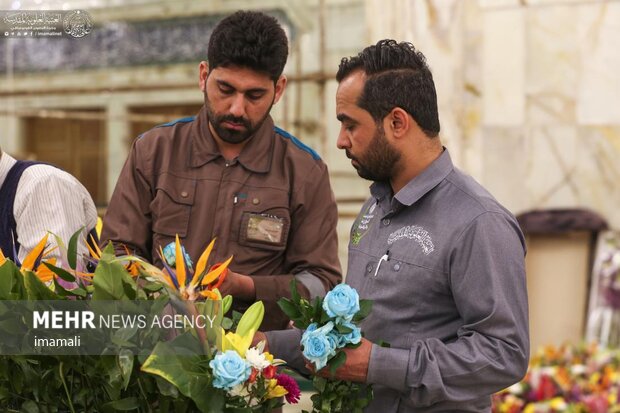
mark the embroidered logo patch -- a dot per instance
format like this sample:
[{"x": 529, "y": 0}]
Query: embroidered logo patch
[
  {"x": 361, "y": 226},
  {"x": 416, "y": 233}
]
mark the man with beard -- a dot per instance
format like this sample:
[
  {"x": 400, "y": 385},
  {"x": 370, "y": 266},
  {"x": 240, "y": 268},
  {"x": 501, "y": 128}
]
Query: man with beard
[
  {"x": 440, "y": 258},
  {"x": 230, "y": 174}
]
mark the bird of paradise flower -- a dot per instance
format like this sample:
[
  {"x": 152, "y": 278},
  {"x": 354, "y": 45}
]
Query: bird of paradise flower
[
  {"x": 34, "y": 261},
  {"x": 189, "y": 283}
]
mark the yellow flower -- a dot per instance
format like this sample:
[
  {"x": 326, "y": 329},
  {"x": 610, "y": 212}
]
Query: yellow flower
[
  {"x": 234, "y": 341},
  {"x": 274, "y": 390},
  {"x": 557, "y": 403}
]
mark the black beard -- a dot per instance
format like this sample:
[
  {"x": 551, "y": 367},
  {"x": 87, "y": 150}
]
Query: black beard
[
  {"x": 229, "y": 135},
  {"x": 379, "y": 161}
]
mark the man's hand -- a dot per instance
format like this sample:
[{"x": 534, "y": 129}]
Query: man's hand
[
  {"x": 239, "y": 286},
  {"x": 356, "y": 366},
  {"x": 258, "y": 337}
]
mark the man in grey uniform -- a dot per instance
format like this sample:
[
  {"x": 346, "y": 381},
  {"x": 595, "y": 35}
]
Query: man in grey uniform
[{"x": 442, "y": 260}]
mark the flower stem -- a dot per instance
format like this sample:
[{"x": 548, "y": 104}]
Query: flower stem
[
  {"x": 148, "y": 405},
  {"x": 64, "y": 384}
]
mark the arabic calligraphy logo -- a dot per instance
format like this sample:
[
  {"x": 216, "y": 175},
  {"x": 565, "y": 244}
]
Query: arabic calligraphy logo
[
  {"x": 416, "y": 233},
  {"x": 78, "y": 23}
]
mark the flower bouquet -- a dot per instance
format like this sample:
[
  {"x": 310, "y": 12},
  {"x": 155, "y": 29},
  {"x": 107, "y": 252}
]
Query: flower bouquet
[
  {"x": 200, "y": 369},
  {"x": 330, "y": 325},
  {"x": 566, "y": 379}
]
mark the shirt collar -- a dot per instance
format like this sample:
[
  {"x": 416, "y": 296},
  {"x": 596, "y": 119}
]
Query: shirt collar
[
  {"x": 418, "y": 186},
  {"x": 6, "y": 163},
  {"x": 255, "y": 156}
]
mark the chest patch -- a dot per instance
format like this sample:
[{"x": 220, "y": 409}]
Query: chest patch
[
  {"x": 265, "y": 228},
  {"x": 362, "y": 225},
  {"x": 416, "y": 233}
]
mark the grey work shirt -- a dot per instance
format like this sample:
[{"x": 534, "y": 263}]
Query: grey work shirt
[{"x": 443, "y": 262}]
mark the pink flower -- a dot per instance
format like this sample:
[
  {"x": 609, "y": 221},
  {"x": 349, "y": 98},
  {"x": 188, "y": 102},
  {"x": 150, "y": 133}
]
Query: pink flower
[{"x": 291, "y": 387}]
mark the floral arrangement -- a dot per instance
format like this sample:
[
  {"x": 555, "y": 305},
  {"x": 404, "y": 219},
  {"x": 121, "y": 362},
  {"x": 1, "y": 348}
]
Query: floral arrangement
[
  {"x": 330, "y": 325},
  {"x": 566, "y": 379},
  {"x": 610, "y": 273},
  {"x": 216, "y": 371}
]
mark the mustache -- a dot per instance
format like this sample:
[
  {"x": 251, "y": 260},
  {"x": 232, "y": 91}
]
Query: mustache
[
  {"x": 234, "y": 119},
  {"x": 353, "y": 158}
]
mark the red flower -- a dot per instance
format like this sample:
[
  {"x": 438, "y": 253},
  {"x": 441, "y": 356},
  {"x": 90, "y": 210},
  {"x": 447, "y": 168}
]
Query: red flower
[
  {"x": 269, "y": 372},
  {"x": 253, "y": 375},
  {"x": 291, "y": 387}
]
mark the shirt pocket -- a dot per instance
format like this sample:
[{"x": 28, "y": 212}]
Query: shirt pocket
[
  {"x": 266, "y": 224},
  {"x": 172, "y": 205},
  {"x": 413, "y": 280}
]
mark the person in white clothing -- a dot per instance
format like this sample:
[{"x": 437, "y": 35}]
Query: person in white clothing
[{"x": 37, "y": 198}]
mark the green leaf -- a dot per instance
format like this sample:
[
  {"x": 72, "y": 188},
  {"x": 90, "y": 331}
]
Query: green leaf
[
  {"x": 319, "y": 383},
  {"x": 166, "y": 388},
  {"x": 338, "y": 360},
  {"x": 36, "y": 290},
  {"x": 125, "y": 361},
  {"x": 108, "y": 281},
  {"x": 294, "y": 292},
  {"x": 289, "y": 308},
  {"x": 80, "y": 292},
  {"x": 227, "y": 323},
  {"x": 60, "y": 290},
  {"x": 179, "y": 362},
  {"x": 324, "y": 318},
  {"x": 10, "y": 277},
  {"x": 342, "y": 329},
  {"x": 72, "y": 249},
  {"x": 226, "y": 303},
  {"x": 29, "y": 407},
  {"x": 152, "y": 287},
  {"x": 65, "y": 275},
  {"x": 165, "y": 363},
  {"x": 365, "y": 309},
  {"x": 108, "y": 253},
  {"x": 124, "y": 405},
  {"x": 317, "y": 309}
]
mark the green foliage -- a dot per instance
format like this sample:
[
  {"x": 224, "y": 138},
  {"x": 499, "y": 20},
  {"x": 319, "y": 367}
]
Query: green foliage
[{"x": 104, "y": 383}]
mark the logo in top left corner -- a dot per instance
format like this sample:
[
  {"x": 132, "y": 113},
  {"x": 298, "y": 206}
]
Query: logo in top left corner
[{"x": 77, "y": 23}]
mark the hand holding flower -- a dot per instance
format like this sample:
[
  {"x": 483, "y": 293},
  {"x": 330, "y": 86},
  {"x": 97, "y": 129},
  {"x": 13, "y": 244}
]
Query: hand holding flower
[
  {"x": 355, "y": 367},
  {"x": 333, "y": 346}
]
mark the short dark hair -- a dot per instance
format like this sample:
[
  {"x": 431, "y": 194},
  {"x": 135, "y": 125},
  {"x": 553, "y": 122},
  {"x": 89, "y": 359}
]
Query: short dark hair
[
  {"x": 249, "y": 39},
  {"x": 397, "y": 76}
]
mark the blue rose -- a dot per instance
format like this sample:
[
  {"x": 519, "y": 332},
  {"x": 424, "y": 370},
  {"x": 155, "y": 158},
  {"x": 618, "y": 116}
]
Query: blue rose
[
  {"x": 229, "y": 369},
  {"x": 342, "y": 302},
  {"x": 353, "y": 337},
  {"x": 318, "y": 346},
  {"x": 337, "y": 339},
  {"x": 170, "y": 254}
]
